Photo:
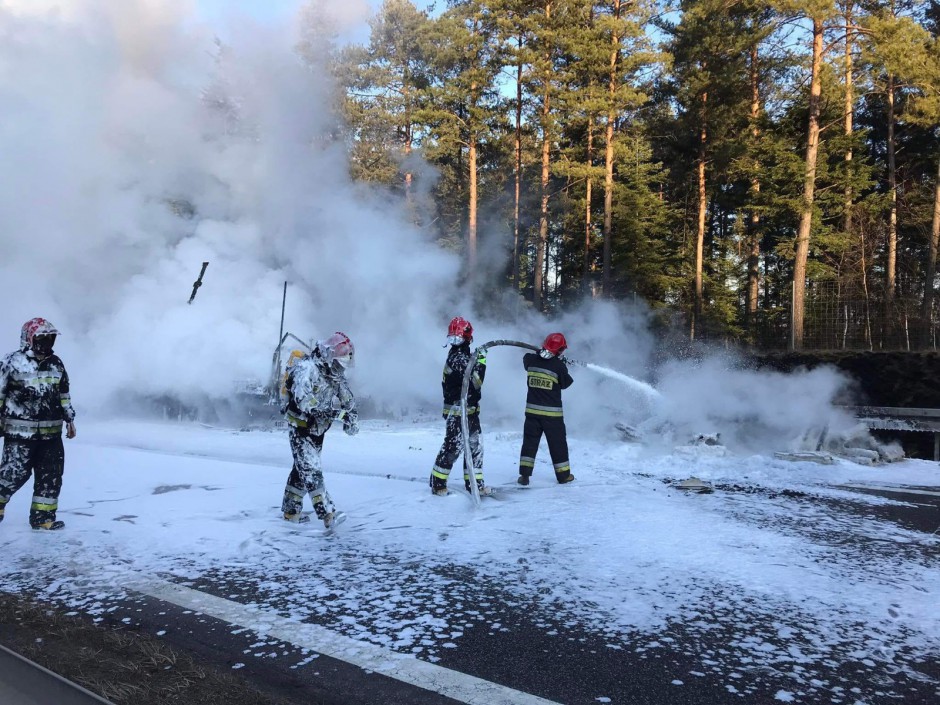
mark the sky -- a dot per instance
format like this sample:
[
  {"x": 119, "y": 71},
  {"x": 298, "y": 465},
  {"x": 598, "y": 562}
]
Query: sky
[{"x": 221, "y": 14}]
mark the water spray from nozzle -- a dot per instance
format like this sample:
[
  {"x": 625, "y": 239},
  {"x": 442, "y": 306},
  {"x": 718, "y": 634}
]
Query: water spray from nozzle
[{"x": 632, "y": 382}]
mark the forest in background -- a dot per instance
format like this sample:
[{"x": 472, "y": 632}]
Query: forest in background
[{"x": 762, "y": 173}]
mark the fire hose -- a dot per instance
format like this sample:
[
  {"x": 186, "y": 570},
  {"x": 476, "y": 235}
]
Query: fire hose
[{"x": 465, "y": 389}]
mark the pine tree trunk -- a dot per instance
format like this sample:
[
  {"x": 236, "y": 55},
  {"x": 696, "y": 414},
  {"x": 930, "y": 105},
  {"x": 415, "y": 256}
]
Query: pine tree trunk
[
  {"x": 868, "y": 336},
  {"x": 809, "y": 188},
  {"x": 891, "y": 266},
  {"x": 753, "y": 258},
  {"x": 408, "y": 174},
  {"x": 543, "y": 217},
  {"x": 849, "y": 116},
  {"x": 472, "y": 215},
  {"x": 849, "y": 205},
  {"x": 586, "y": 271},
  {"x": 932, "y": 260},
  {"x": 407, "y": 137},
  {"x": 538, "y": 289},
  {"x": 613, "y": 84},
  {"x": 700, "y": 233}
]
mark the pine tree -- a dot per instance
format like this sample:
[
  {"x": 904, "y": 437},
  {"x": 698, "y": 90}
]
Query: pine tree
[
  {"x": 462, "y": 101},
  {"x": 818, "y": 11},
  {"x": 385, "y": 82},
  {"x": 711, "y": 87},
  {"x": 908, "y": 52}
]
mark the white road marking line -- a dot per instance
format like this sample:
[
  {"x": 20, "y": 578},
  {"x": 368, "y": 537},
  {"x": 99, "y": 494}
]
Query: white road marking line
[
  {"x": 898, "y": 490},
  {"x": 401, "y": 667}
]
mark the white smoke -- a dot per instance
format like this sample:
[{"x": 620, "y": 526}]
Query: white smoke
[{"x": 121, "y": 179}]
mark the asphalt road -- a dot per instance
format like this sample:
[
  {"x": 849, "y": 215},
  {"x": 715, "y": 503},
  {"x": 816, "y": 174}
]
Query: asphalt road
[
  {"x": 236, "y": 619},
  {"x": 558, "y": 660}
]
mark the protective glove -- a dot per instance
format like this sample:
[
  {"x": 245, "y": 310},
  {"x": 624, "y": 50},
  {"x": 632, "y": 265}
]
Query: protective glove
[
  {"x": 336, "y": 407},
  {"x": 481, "y": 358},
  {"x": 351, "y": 422},
  {"x": 346, "y": 398}
]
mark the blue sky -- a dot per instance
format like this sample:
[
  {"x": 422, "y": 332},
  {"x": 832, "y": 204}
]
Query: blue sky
[
  {"x": 218, "y": 14},
  {"x": 259, "y": 9}
]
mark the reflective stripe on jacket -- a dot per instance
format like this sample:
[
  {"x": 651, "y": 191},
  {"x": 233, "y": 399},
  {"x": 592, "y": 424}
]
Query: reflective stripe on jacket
[{"x": 545, "y": 378}]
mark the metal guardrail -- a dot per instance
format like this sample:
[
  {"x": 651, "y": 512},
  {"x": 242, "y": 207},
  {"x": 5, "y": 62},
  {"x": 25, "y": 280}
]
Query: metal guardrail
[
  {"x": 23, "y": 682},
  {"x": 901, "y": 418}
]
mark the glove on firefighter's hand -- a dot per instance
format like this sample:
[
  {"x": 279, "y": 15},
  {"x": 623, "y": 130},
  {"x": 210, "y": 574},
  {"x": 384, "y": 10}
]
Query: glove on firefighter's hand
[
  {"x": 481, "y": 358},
  {"x": 336, "y": 408},
  {"x": 351, "y": 422}
]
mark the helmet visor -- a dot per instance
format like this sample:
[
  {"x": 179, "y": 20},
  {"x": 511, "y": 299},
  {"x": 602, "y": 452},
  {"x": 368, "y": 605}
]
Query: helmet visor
[
  {"x": 343, "y": 362},
  {"x": 43, "y": 344}
]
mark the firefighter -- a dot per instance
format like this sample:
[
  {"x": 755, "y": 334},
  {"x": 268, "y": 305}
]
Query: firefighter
[
  {"x": 460, "y": 335},
  {"x": 34, "y": 406},
  {"x": 547, "y": 374},
  {"x": 317, "y": 395}
]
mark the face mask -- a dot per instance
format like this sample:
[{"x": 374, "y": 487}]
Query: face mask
[
  {"x": 341, "y": 364},
  {"x": 43, "y": 344}
]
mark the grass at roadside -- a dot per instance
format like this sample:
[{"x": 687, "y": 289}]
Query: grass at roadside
[{"x": 119, "y": 665}]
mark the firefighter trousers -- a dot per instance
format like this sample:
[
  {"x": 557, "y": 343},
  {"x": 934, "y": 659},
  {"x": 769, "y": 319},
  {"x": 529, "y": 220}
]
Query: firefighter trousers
[
  {"x": 453, "y": 447},
  {"x": 555, "y": 434},
  {"x": 45, "y": 460},
  {"x": 306, "y": 476}
]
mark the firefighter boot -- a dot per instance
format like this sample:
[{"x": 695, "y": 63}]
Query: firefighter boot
[
  {"x": 49, "y": 526},
  {"x": 299, "y": 518}
]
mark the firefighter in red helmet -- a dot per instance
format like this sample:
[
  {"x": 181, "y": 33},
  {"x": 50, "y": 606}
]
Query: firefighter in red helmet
[
  {"x": 460, "y": 335},
  {"x": 547, "y": 375},
  {"x": 317, "y": 395},
  {"x": 35, "y": 405}
]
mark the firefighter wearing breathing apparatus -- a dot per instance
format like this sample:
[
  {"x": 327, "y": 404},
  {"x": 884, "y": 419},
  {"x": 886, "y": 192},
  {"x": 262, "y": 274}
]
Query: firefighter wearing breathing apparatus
[
  {"x": 317, "y": 395},
  {"x": 35, "y": 404}
]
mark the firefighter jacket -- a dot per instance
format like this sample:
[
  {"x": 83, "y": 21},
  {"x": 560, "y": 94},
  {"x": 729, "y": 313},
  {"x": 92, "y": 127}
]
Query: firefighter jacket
[
  {"x": 457, "y": 360},
  {"x": 316, "y": 395},
  {"x": 34, "y": 396},
  {"x": 546, "y": 379}
]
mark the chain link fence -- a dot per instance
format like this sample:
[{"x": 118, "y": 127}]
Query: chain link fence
[{"x": 844, "y": 318}]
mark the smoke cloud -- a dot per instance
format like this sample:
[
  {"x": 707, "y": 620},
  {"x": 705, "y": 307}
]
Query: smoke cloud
[{"x": 133, "y": 154}]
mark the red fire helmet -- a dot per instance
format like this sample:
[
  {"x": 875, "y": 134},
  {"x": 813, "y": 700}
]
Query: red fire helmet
[
  {"x": 32, "y": 328},
  {"x": 460, "y": 327},
  {"x": 340, "y": 349},
  {"x": 555, "y": 343}
]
